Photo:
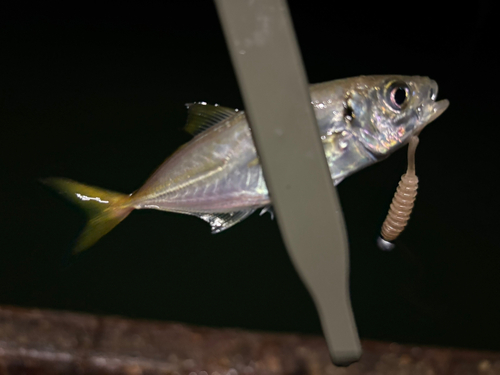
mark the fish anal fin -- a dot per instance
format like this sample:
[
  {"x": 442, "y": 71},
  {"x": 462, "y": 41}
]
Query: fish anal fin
[
  {"x": 268, "y": 209},
  {"x": 202, "y": 116},
  {"x": 222, "y": 221}
]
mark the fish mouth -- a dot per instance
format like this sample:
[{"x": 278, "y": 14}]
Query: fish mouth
[{"x": 435, "y": 111}]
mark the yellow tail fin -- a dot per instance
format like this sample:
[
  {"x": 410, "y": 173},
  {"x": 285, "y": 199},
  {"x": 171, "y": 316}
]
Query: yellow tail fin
[{"x": 105, "y": 209}]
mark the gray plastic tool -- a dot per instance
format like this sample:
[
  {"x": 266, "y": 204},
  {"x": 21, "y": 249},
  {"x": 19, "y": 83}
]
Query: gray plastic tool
[{"x": 269, "y": 68}]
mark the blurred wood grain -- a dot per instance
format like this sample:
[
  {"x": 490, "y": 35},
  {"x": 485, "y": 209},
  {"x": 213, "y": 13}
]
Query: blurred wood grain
[{"x": 55, "y": 342}]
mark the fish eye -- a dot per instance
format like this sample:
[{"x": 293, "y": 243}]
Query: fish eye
[{"x": 398, "y": 95}]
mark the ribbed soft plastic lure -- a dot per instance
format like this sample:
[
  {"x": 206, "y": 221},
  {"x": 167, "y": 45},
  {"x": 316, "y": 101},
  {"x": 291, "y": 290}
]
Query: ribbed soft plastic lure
[{"x": 402, "y": 203}]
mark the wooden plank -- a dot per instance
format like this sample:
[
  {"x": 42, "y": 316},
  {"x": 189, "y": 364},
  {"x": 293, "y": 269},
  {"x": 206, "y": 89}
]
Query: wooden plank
[{"x": 39, "y": 342}]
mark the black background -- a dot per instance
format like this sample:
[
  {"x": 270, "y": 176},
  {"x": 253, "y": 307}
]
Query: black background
[{"x": 96, "y": 93}]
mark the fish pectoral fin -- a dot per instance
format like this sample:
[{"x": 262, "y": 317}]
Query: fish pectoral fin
[
  {"x": 222, "y": 221},
  {"x": 202, "y": 116}
]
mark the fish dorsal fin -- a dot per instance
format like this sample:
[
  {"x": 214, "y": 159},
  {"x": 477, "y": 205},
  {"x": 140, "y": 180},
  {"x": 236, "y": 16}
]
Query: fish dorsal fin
[
  {"x": 202, "y": 116},
  {"x": 222, "y": 221}
]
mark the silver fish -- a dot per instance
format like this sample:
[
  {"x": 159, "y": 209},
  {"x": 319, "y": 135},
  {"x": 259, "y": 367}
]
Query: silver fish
[{"x": 217, "y": 175}]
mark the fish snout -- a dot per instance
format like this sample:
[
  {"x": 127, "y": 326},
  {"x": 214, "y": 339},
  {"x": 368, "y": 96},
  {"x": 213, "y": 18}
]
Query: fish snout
[
  {"x": 438, "y": 109},
  {"x": 435, "y": 110}
]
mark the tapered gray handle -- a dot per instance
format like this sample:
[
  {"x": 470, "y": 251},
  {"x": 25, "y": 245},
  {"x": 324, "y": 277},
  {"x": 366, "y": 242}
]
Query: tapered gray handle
[{"x": 269, "y": 68}]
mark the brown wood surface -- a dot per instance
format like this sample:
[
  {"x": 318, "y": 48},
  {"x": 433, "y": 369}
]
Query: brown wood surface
[{"x": 54, "y": 342}]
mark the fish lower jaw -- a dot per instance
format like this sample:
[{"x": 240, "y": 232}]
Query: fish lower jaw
[{"x": 433, "y": 113}]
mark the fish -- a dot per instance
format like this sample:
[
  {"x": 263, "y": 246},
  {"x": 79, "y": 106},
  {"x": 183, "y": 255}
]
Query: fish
[{"x": 217, "y": 176}]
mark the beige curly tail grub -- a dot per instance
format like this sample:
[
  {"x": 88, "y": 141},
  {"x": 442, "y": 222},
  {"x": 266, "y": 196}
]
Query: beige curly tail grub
[{"x": 402, "y": 203}]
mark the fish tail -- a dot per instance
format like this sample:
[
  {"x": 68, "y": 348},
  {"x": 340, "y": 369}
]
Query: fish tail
[{"x": 104, "y": 209}]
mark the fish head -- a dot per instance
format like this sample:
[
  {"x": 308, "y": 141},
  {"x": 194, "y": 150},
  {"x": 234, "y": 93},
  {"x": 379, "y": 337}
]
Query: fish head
[{"x": 383, "y": 112}]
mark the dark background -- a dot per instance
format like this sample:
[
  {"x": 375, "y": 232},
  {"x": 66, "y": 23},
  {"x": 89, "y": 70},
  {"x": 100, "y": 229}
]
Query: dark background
[{"x": 96, "y": 93}]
